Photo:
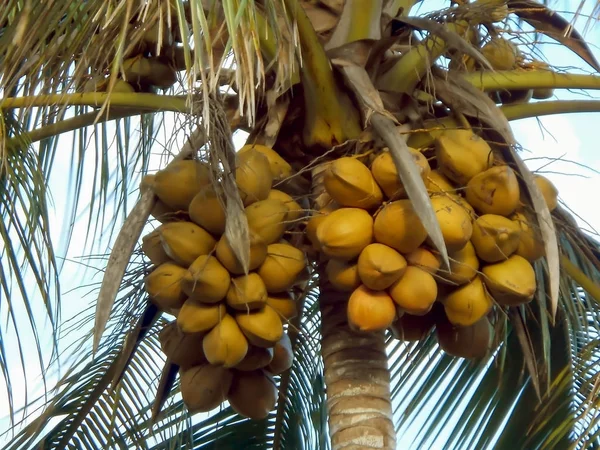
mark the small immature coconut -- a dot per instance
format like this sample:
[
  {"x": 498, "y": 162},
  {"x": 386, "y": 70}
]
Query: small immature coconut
[
  {"x": 205, "y": 387},
  {"x": 225, "y": 344},
  {"x": 412, "y": 328},
  {"x": 398, "y": 226},
  {"x": 256, "y": 358},
  {"x": 281, "y": 267},
  {"x": 531, "y": 245},
  {"x": 163, "y": 285},
  {"x": 379, "y": 266},
  {"x": 253, "y": 176},
  {"x": 370, "y": 310},
  {"x": 438, "y": 183},
  {"x": 462, "y": 154},
  {"x": 253, "y": 394},
  {"x": 495, "y": 191},
  {"x": 262, "y": 327},
  {"x": 471, "y": 342},
  {"x": 267, "y": 218},
  {"x": 350, "y": 183},
  {"x": 343, "y": 275},
  {"x": 344, "y": 233},
  {"x": 500, "y": 53},
  {"x": 415, "y": 292},
  {"x": 284, "y": 305},
  {"x": 207, "y": 211},
  {"x": 511, "y": 282},
  {"x": 549, "y": 191},
  {"x": 185, "y": 241},
  {"x": 454, "y": 220},
  {"x": 283, "y": 356},
  {"x": 424, "y": 259},
  {"x": 178, "y": 183},
  {"x": 463, "y": 266},
  {"x": 247, "y": 292},
  {"x": 226, "y": 256},
  {"x": 181, "y": 348},
  {"x": 153, "y": 249},
  {"x": 197, "y": 317},
  {"x": 385, "y": 173},
  {"x": 280, "y": 168},
  {"x": 468, "y": 304},
  {"x": 496, "y": 10},
  {"x": 206, "y": 280},
  {"x": 514, "y": 96},
  {"x": 495, "y": 237},
  {"x": 295, "y": 211}
]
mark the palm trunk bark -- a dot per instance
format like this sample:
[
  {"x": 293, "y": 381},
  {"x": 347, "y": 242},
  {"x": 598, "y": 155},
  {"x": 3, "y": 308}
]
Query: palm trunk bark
[{"x": 357, "y": 379}]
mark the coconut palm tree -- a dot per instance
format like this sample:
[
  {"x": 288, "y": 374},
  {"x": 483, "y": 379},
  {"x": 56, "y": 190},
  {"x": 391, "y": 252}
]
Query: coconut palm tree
[{"x": 313, "y": 80}]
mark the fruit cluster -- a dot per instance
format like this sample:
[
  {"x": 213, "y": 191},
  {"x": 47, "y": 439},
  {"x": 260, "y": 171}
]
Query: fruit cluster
[
  {"x": 228, "y": 338},
  {"x": 379, "y": 251}
]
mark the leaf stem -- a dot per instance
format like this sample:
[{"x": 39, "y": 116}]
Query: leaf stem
[{"x": 519, "y": 79}]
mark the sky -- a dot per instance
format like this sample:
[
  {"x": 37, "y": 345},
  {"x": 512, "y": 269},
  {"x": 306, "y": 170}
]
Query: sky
[{"x": 563, "y": 147}]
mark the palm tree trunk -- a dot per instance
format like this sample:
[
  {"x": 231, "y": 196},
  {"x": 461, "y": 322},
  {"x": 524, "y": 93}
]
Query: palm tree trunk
[{"x": 357, "y": 379}]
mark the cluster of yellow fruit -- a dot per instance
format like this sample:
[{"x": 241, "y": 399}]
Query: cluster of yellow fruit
[
  {"x": 153, "y": 62},
  {"x": 229, "y": 329},
  {"x": 379, "y": 250}
]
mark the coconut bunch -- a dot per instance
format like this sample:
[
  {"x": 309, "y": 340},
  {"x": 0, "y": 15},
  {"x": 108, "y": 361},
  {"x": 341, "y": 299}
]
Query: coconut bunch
[
  {"x": 153, "y": 58},
  {"x": 378, "y": 250},
  {"x": 229, "y": 326}
]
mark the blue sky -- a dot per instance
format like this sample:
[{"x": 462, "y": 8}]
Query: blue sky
[{"x": 573, "y": 138}]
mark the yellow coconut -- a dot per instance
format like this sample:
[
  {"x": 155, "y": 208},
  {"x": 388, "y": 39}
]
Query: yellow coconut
[
  {"x": 413, "y": 328},
  {"x": 225, "y": 344},
  {"x": 461, "y": 154},
  {"x": 415, "y": 292},
  {"x": 313, "y": 224},
  {"x": 350, "y": 183},
  {"x": 495, "y": 10},
  {"x": 185, "y": 241},
  {"x": 295, "y": 211},
  {"x": 163, "y": 285},
  {"x": 495, "y": 191},
  {"x": 463, "y": 266},
  {"x": 385, "y": 173},
  {"x": 262, "y": 327},
  {"x": 471, "y": 341},
  {"x": 153, "y": 249},
  {"x": 379, "y": 266},
  {"x": 247, "y": 292},
  {"x": 280, "y": 169},
  {"x": 226, "y": 256},
  {"x": 253, "y": 176},
  {"x": 253, "y": 394},
  {"x": 398, "y": 226},
  {"x": 256, "y": 358},
  {"x": 267, "y": 218},
  {"x": 468, "y": 303},
  {"x": 344, "y": 233},
  {"x": 281, "y": 267},
  {"x": 495, "y": 237},
  {"x": 370, "y": 310},
  {"x": 206, "y": 280},
  {"x": 204, "y": 388},
  {"x": 549, "y": 191},
  {"x": 343, "y": 275},
  {"x": 424, "y": 259},
  {"x": 208, "y": 211},
  {"x": 197, "y": 317},
  {"x": 284, "y": 305},
  {"x": 181, "y": 348},
  {"x": 438, "y": 183},
  {"x": 163, "y": 213},
  {"x": 178, "y": 183},
  {"x": 511, "y": 282},
  {"x": 455, "y": 222},
  {"x": 500, "y": 53},
  {"x": 531, "y": 245},
  {"x": 283, "y": 356}
]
